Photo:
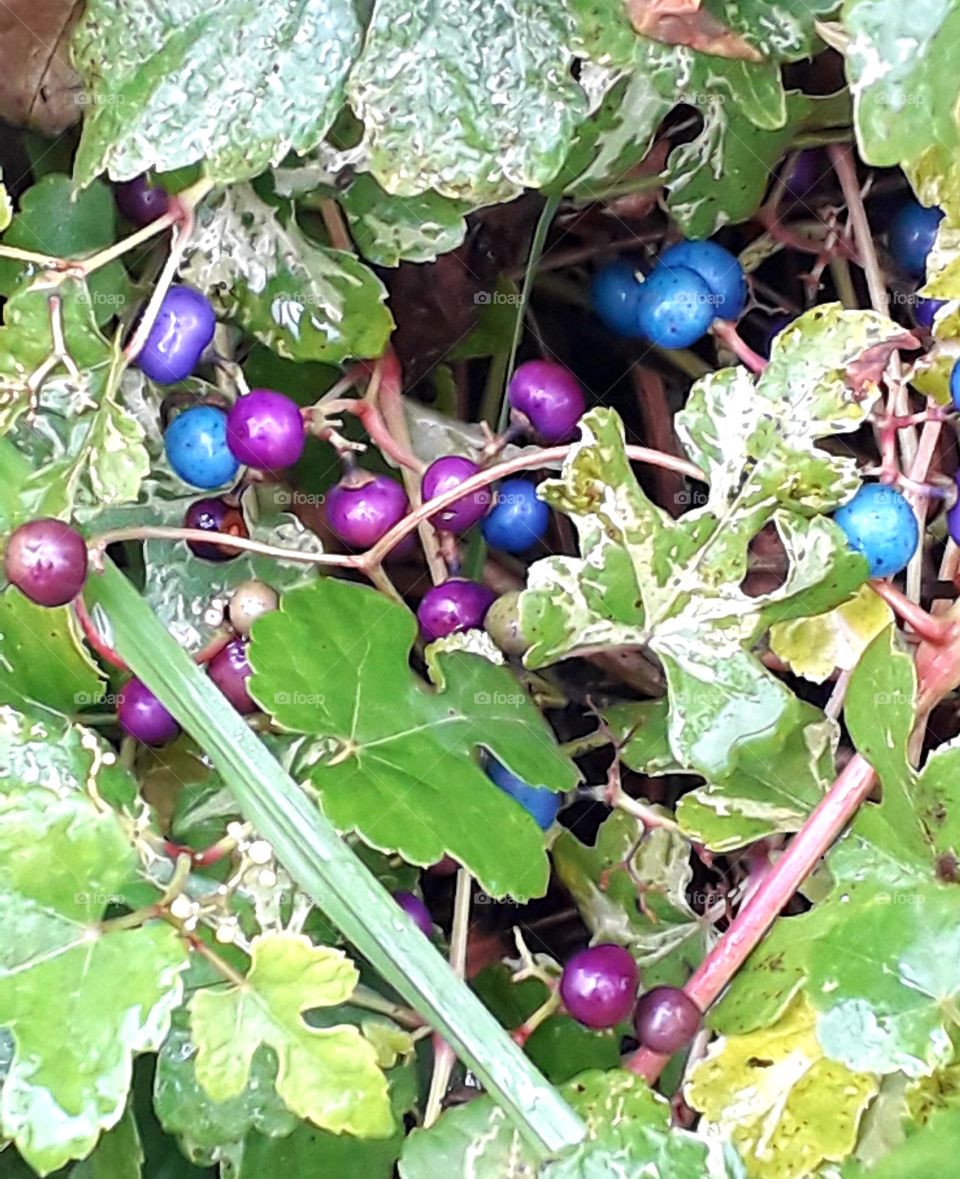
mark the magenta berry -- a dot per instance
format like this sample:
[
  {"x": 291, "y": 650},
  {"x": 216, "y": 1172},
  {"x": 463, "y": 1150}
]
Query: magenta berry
[
  {"x": 415, "y": 908},
  {"x": 360, "y": 514},
  {"x": 599, "y": 985},
  {"x": 230, "y": 669},
  {"x": 140, "y": 201},
  {"x": 445, "y": 474},
  {"x": 550, "y": 398},
  {"x": 453, "y": 605},
  {"x": 215, "y": 515},
  {"x": 265, "y": 430},
  {"x": 666, "y": 1019},
  {"x": 142, "y": 715},
  {"x": 47, "y": 561}
]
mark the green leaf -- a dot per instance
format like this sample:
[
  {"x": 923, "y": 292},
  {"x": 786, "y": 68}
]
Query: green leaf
[
  {"x": 931, "y": 1150},
  {"x": 886, "y": 977},
  {"x": 303, "y": 300},
  {"x": 118, "y": 1154},
  {"x": 43, "y": 659},
  {"x": 395, "y": 760},
  {"x": 630, "y": 888},
  {"x": 328, "y": 1075},
  {"x": 777, "y": 1097},
  {"x": 476, "y": 102},
  {"x": 645, "y": 579},
  {"x": 56, "y": 220},
  {"x": 388, "y": 230},
  {"x": 61, "y": 862},
  {"x": 261, "y": 80}
]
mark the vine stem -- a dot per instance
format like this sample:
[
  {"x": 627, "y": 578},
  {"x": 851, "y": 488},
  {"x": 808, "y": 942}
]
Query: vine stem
[
  {"x": 934, "y": 630},
  {"x": 99, "y": 544},
  {"x": 726, "y": 332},
  {"x": 444, "y": 1057}
]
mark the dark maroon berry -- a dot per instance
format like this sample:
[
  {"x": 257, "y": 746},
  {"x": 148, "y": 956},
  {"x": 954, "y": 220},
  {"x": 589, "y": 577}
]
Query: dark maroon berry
[
  {"x": 454, "y": 605},
  {"x": 359, "y": 514},
  {"x": 265, "y": 430},
  {"x": 230, "y": 669},
  {"x": 215, "y": 515},
  {"x": 666, "y": 1019},
  {"x": 550, "y": 398},
  {"x": 415, "y": 908},
  {"x": 444, "y": 475},
  {"x": 142, "y": 715},
  {"x": 140, "y": 201},
  {"x": 47, "y": 561},
  {"x": 599, "y": 985}
]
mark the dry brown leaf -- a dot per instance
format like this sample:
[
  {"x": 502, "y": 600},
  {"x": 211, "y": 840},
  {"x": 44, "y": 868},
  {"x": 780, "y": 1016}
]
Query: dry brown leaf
[
  {"x": 38, "y": 87},
  {"x": 685, "y": 22}
]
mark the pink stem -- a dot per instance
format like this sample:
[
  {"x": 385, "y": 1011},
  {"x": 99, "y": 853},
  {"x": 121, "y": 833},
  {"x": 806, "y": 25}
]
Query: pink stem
[
  {"x": 726, "y": 331},
  {"x": 934, "y": 630},
  {"x": 834, "y": 811}
]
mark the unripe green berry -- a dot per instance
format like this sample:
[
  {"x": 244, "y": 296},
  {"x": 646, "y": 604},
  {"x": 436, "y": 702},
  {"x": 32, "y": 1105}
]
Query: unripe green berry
[
  {"x": 502, "y": 623},
  {"x": 249, "y": 600}
]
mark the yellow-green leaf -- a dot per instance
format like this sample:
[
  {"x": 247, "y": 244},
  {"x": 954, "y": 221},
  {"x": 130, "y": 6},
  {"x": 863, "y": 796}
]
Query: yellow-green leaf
[{"x": 813, "y": 647}]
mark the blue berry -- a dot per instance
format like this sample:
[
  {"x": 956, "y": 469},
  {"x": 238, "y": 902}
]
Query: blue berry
[
  {"x": 539, "y": 802},
  {"x": 615, "y": 292},
  {"x": 183, "y": 328},
  {"x": 955, "y": 384},
  {"x": 925, "y": 310},
  {"x": 718, "y": 268},
  {"x": 911, "y": 236},
  {"x": 518, "y": 518},
  {"x": 880, "y": 524},
  {"x": 196, "y": 446},
  {"x": 675, "y": 308}
]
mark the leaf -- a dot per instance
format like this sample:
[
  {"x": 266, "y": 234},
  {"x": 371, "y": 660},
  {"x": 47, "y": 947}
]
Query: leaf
[
  {"x": 61, "y": 862},
  {"x": 328, "y": 1075},
  {"x": 55, "y": 220},
  {"x": 630, "y": 888},
  {"x": 261, "y": 81},
  {"x": 814, "y": 647},
  {"x": 775, "y": 1095},
  {"x": 42, "y": 659},
  {"x": 474, "y": 101},
  {"x": 931, "y": 1150},
  {"x": 118, "y": 1154},
  {"x": 395, "y": 760},
  {"x": 388, "y": 230},
  {"x": 305, "y": 301},
  {"x": 885, "y": 979},
  {"x": 645, "y": 579}
]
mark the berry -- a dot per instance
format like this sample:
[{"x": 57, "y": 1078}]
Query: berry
[
  {"x": 676, "y": 307},
  {"x": 196, "y": 446},
  {"x": 805, "y": 172},
  {"x": 445, "y": 474},
  {"x": 248, "y": 601},
  {"x": 666, "y": 1019},
  {"x": 181, "y": 331},
  {"x": 140, "y": 201},
  {"x": 415, "y": 908},
  {"x": 230, "y": 669},
  {"x": 453, "y": 605},
  {"x": 265, "y": 430},
  {"x": 953, "y": 517},
  {"x": 925, "y": 310},
  {"x": 47, "y": 561},
  {"x": 718, "y": 268},
  {"x": 502, "y": 624},
  {"x": 880, "y": 524},
  {"x": 142, "y": 715},
  {"x": 549, "y": 397},
  {"x": 615, "y": 292},
  {"x": 518, "y": 519},
  {"x": 772, "y": 328},
  {"x": 215, "y": 515},
  {"x": 599, "y": 985},
  {"x": 955, "y": 384},
  {"x": 360, "y": 515},
  {"x": 911, "y": 236},
  {"x": 537, "y": 801}
]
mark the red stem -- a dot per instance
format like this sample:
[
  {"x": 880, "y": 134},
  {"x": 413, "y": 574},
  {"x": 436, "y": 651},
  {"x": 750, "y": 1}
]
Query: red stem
[
  {"x": 934, "y": 630},
  {"x": 92, "y": 635},
  {"x": 725, "y": 330}
]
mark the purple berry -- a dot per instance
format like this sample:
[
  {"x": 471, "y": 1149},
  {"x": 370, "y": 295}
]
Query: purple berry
[
  {"x": 230, "y": 669},
  {"x": 47, "y": 561},
  {"x": 181, "y": 331},
  {"x": 666, "y": 1019},
  {"x": 415, "y": 908},
  {"x": 925, "y": 310},
  {"x": 807, "y": 170},
  {"x": 140, "y": 201},
  {"x": 599, "y": 985},
  {"x": 360, "y": 514},
  {"x": 550, "y": 398},
  {"x": 142, "y": 715},
  {"x": 215, "y": 515},
  {"x": 453, "y": 605},
  {"x": 771, "y": 329},
  {"x": 265, "y": 430},
  {"x": 445, "y": 474}
]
